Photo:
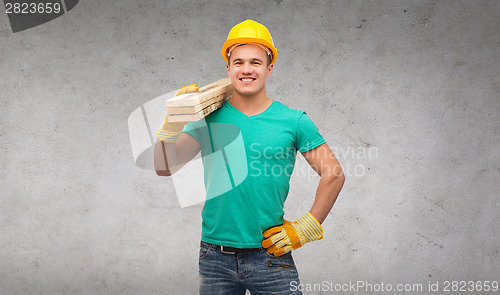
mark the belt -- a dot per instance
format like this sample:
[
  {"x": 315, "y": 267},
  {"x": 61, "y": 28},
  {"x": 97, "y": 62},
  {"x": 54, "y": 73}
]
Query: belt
[{"x": 232, "y": 250}]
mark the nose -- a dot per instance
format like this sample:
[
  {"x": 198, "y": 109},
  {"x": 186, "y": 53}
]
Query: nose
[{"x": 246, "y": 68}]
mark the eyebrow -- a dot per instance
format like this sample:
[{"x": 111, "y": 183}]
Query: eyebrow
[{"x": 253, "y": 59}]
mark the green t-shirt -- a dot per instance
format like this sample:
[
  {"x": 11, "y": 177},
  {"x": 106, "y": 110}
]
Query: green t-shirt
[{"x": 248, "y": 161}]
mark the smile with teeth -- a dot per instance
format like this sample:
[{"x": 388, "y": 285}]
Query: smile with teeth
[{"x": 247, "y": 79}]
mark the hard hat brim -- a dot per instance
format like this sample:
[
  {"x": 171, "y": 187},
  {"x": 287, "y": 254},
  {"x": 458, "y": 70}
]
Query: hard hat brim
[{"x": 242, "y": 40}]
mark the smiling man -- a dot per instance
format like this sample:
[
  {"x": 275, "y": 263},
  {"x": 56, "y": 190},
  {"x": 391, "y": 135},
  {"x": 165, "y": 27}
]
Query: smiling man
[
  {"x": 246, "y": 244},
  {"x": 249, "y": 69}
]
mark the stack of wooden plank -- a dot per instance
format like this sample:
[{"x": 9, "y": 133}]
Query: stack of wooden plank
[{"x": 197, "y": 105}]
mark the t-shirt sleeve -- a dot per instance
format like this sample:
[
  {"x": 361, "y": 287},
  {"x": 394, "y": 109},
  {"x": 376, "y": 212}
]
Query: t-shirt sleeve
[
  {"x": 192, "y": 128},
  {"x": 307, "y": 134}
]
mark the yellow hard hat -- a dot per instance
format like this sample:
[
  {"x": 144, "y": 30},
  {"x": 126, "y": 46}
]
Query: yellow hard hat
[{"x": 249, "y": 31}]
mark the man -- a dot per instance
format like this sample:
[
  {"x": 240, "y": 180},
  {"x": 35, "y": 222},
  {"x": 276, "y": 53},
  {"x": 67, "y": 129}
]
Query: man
[{"x": 246, "y": 244}]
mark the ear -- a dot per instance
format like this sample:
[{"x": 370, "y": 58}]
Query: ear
[
  {"x": 270, "y": 69},
  {"x": 227, "y": 67}
]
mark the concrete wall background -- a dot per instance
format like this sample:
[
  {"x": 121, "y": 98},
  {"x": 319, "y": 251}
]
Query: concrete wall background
[{"x": 415, "y": 82}]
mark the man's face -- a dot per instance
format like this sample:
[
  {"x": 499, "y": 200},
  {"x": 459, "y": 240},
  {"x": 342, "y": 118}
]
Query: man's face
[{"x": 248, "y": 69}]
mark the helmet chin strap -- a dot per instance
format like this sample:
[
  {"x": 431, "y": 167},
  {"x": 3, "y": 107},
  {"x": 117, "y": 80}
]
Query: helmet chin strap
[{"x": 231, "y": 48}]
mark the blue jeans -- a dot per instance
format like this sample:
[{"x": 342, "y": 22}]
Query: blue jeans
[{"x": 259, "y": 272}]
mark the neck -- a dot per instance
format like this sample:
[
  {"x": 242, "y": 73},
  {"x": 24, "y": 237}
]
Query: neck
[{"x": 251, "y": 104}]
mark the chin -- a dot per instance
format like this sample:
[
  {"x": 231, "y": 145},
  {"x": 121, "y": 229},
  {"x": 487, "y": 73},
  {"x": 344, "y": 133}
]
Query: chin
[{"x": 245, "y": 92}]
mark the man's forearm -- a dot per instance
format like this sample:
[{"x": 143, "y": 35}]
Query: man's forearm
[
  {"x": 328, "y": 190},
  {"x": 292, "y": 235},
  {"x": 164, "y": 154}
]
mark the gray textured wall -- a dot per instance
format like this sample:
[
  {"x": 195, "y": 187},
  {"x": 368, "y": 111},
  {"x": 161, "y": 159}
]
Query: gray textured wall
[{"x": 407, "y": 93}]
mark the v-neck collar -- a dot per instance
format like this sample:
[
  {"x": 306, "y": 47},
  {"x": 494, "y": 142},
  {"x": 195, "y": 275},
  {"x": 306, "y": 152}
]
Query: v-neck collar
[{"x": 247, "y": 116}]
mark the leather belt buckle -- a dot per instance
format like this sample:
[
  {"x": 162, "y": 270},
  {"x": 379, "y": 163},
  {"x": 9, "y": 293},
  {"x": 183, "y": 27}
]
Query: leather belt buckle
[{"x": 226, "y": 252}]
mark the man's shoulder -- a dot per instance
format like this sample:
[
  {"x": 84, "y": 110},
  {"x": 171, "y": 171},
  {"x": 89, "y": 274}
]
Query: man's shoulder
[
  {"x": 218, "y": 114},
  {"x": 286, "y": 110}
]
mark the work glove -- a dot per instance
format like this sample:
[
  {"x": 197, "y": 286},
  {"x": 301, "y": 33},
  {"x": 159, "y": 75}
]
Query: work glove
[
  {"x": 170, "y": 131},
  {"x": 282, "y": 239}
]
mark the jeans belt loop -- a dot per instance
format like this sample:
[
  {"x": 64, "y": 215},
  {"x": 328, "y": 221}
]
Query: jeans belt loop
[{"x": 225, "y": 252}]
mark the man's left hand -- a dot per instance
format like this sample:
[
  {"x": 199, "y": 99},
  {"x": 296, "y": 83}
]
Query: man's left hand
[{"x": 282, "y": 239}]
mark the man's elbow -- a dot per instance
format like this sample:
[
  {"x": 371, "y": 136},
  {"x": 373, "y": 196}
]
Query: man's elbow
[
  {"x": 340, "y": 174},
  {"x": 336, "y": 175},
  {"x": 341, "y": 179},
  {"x": 163, "y": 173}
]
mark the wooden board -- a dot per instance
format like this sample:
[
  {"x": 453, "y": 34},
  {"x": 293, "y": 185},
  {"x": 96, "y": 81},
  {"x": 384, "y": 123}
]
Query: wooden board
[
  {"x": 198, "y": 115},
  {"x": 195, "y": 106},
  {"x": 195, "y": 109}
]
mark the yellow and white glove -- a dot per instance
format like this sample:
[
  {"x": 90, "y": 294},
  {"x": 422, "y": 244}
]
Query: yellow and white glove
[
  {"x": 170, "y": 131},
  {"x": 282, "y": 239}
]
